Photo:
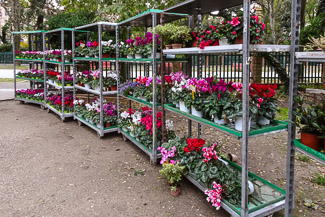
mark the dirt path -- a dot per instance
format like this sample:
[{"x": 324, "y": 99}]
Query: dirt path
[{"x": 51, "y": 168}]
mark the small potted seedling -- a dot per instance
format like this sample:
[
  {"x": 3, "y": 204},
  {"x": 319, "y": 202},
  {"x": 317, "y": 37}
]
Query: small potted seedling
[{"x": 174, "y": 173}]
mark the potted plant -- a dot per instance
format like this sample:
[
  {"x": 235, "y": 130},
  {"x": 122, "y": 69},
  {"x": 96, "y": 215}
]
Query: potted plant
[
  {"x": 208, "y": 36},
  {"x": 180, "y": 35},
  {"x": 309, "y": 121},
  {"x": 166, "y": 33},
  {"x": 174, "y": 173},
  {"x": 95, "y": 82}
]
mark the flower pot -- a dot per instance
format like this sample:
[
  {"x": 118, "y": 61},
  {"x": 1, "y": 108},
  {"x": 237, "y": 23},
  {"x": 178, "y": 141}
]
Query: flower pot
[
  {"x": 177, "y": 104},
  {"x": 59, "y": 60},
  {"x": 66, "y": 61},
  {"x": 125, "y": 129},
  {"x": 97, "y": 88},
  {"x": 50, "y": 81},
  {"x": 138, "y": 56},
  {"x": 143, "y": 98},
  {"x": 113, "y": 88},
  {"x": 113, "y": 56},
  {"x": 87, "y": 57},
  {"x": 87, "y": 86},
  {"x": 177, "y": 46},
  {"x": 81, "y": 84},
  {"x": 157, "y": 55},
  {"x": 176, "y": 192},
  {"x": 105, "y": 55},
  {"x": 68, "y": 85},
  {"x": 168, "y": 46},
  {"x": 196, "y": 112},
  {"x": 98, "y": 125},
  {"x": 263, "y": 121},
  {"x": 129, "y": 56},
  {"x": 170, "y": 56},
  {"x": 324, "y": 86},
  {"x": 311, "y": 140},
  {"x": 239, "y": 123},
  {"x": 219, "y": 121},
  {"x": 108, "y": 124},
  {"x": 223, "y": 41},
  {"x": 183, "y": 108},
  {"x": 96, "y": 56},
  {"x": 233, "y": 157},
  {"x": 250, "y": 188},
  {"x": 132, "y": 134},
  {"x": 239, "y": 40}
]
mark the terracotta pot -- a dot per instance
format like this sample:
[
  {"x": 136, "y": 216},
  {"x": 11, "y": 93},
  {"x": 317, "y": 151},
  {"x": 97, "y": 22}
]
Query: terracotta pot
[
  {"x": 108, "y": 124},
  {"x": 324, "y": 86},
  {"x": 176, "y": 46},
  {"x": 310, "y": 140},
  {"x": 233, "y": 157},
  {"x": 113, "y": 88},
  {"x": 59, "y": 60},
  {"x": 239, "y": 40},
  {"x": 175, "y": 193},
  {"x": 81, "y": 85},
  {"x": 113, "y": 56},
  {"x": 168, "y": 46},
  {"x": 105, "y": 55}
]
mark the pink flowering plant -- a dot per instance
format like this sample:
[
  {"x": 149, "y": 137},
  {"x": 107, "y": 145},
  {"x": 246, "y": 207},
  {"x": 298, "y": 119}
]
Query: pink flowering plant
[
  {"x": 199, "y": 91},
  {"x": 214, "y": 195}
]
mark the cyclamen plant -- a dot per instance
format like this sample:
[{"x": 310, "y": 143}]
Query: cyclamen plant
[{"x": 214, "y": 195}]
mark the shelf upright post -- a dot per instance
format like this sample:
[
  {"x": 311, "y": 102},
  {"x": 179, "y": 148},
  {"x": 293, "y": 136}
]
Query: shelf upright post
[
  {"x": 293, "y": 90},
  {"x": 62, "y": 73},
  {"x": 73, "y": 69},
  {"x": 13, "y": 57},
  {"x": 44, "y": 66},
  {"x": 100, "y": 64},
  {"x": 199, "y": 66},
  {"x": 162, "y": 73},
  {"x": 128, "y": 65},
  {"x": 246, "y": 68},
  {"x": 189, "y": 69},
  {"x": 117, "y": 68},
  {"x": 154, "y": 103}
]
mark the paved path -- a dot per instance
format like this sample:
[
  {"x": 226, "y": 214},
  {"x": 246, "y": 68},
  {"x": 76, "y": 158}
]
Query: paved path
[{"x": 7, "y": 89}]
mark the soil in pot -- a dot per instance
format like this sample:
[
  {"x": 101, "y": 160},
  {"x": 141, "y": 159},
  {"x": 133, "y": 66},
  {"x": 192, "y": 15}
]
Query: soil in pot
[
  {"x": 176, "y": 46},
  {"x": 310, "y": 140},
  {"x": 175, "y": 193}
]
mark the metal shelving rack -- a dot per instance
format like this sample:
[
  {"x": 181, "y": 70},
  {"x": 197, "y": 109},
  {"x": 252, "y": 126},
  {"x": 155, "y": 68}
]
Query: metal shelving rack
[
  {"x": 61, "y": 32},
  {"x": 147, "y": 19},
  {"x": 34, "y": 45},
  {"x": 204, "y": 7},
  {"x": 294, "y": 144},
  {"x": 98, "y": 27}
]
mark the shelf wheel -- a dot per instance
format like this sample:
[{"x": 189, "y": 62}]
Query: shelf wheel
[
  {"x": 21, "y": 102},
  {"x": 125, "y": 139},
  {"x": 48, "y": 110},
  {"x": 99, "y": 136},
  {"x": 80, "y": 123},
  {"x": 42, "y": 107}
]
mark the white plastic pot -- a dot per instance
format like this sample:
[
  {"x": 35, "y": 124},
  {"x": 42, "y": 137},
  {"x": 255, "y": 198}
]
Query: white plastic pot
[
  {"x": 97, "y": 88},
  {"x": 143, "y": 98},
  {"x": 87, "y": 56},
  {"x": 263, "y": 121},
  {"x": 223, "y": 41},
  {"x": 170, "y": 56},
  {"x": 183, "y": 108},
  {"x": 129, "y": 56},
  {"x": 239, "y": 123},
  {"x": 196, "y": 113},
  {"x": 132, "y": 134},
  {"x": 157, "y": 56},
  {"x": 219, "y": 121},
  {"x": 50, "y": 81},
  {"x": 177, "y": 105},
  {"x": 250, "y": 187},
  {"x": 125, "y": 129},
  {"x": 138, "y": 56},
  {"x": 98, "y": 125},
  {"x": 87, "y": 86}
]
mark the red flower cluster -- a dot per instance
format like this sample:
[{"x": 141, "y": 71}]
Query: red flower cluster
[
  {"x": 168, "y": 79},
  {"x": 147, "y": 121},
  {"x": 95, "y": 44},
  {"x": 194, "y": 144},
  {"x": 52, "y": 73},
  {"x": 262, "y": 90},
  {"x": 79, "y": 43},
  {"x": 142, "y": 80},
  {"x": 207, "y": 37}
]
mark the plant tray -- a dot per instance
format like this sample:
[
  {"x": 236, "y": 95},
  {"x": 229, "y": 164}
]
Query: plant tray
[
  {"x": 30, "y": 79},
  {"x": 274, "y": 127},
  {"x": 265, "y": 194},
  {"x": 319, "y": 156},
  {"x": 139, "y": 100}
]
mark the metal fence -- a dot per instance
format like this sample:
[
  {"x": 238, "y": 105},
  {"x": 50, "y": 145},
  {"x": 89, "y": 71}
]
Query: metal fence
[{"x": 6, "y": 58}]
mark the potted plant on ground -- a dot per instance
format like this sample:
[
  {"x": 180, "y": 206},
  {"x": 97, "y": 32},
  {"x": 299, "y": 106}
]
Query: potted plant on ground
[{"x": 174, "y": 173}]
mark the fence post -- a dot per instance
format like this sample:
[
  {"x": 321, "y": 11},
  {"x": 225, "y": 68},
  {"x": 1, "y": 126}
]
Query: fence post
[{"x": 256, "y": 69}]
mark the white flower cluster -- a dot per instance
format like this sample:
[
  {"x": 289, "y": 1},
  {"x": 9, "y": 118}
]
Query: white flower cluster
[
  {"x": 78, "y": 102},
  {"x": 94, "y": 106},
  {"x": 136, "y": 118},
  {"x": 112, "y": 74},
  {"x": 169, "y": 125},
  {"x": 109, "y": 43},
  {"x": 125, "y": 115},
  {"x": 80, "y": 75},
  {"x": 39, "y": 95}
]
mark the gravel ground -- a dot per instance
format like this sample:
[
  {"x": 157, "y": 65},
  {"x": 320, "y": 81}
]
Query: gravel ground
[{"x": 51, "y": 168}]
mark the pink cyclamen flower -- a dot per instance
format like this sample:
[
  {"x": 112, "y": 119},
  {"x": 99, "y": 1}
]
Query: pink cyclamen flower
[
  {"x": 234, "y": 32},
  {"x": 214, "y": 195},
  {"x": 167, "y": 154}
]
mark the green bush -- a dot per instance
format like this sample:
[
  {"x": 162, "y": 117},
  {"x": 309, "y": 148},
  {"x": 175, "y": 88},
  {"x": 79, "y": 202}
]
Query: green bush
[{"x": 6, "y": 48}]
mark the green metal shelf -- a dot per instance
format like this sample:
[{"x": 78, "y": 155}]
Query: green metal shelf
[
  {"x": 139, "y": 100},
  {"x": 94, "y": 127},
  {"x": 316, "y": 155},
  {"x": 29, "y": 60},
  {"x": 274, "y": 127},
  {"x": 266, "y": 199},
  {"x": 29, "y": 100},
  {"x": 143, "y": 60},
  {"x": 58, "y": 63},
  {"x": 30, "y": 79}
]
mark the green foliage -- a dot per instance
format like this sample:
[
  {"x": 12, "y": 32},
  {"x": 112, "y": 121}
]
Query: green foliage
[
  {"x": 314, "y": 29},
  {"x": 302, "y": 157},
  {"x": 283, "y": 114},
  {"x": 173, "y": 172},
  {"x": 319, "y": 179},
  {"x": 70, "y": 20},
  {"x": 214, "y": 106},
  {"x": 234, "y": 108},
  {"x": 5, "y": 47},
  {"x": 140, "y": 91}
]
